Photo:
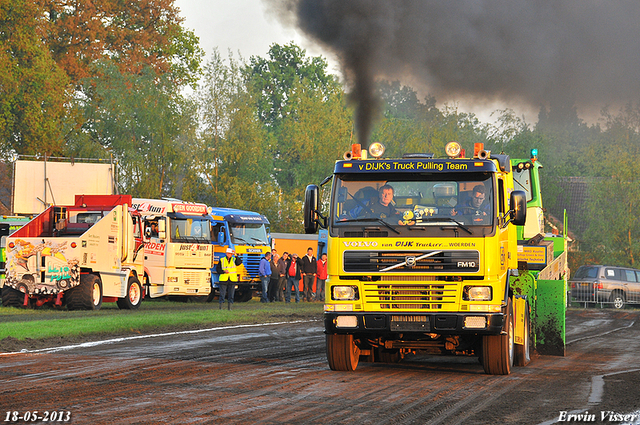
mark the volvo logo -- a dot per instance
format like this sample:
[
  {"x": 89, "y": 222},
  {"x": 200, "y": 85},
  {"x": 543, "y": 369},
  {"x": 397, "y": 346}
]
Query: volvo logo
[{"x": 411, "y": 261}]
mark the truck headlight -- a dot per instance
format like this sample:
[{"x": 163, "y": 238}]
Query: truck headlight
[
  {"x": 376, "y": 149},
  {"x": 477, "y": 293},
  {"x": 344, "y": 293}
]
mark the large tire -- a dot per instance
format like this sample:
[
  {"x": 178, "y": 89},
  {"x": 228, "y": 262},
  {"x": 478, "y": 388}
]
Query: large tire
[
  {"x": 498, "y": 350},
  {"x": 617, "y": 299},
  {"x": 243, "y": 296},
  {"x": 12, "y": 297},
  {"x": 134, "y": 295},
  {"x": 523, "y": 352},
  {"x": 87, "y": 295},
  {"x": 342, "y": 352}
]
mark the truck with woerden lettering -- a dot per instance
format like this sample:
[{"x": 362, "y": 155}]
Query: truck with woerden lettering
[
  {"x": 177, "y": 247},
  {"x": 247, "y": 233},
  {"x": 429, "y": 255},
  {"x": 79, "y": 255}
]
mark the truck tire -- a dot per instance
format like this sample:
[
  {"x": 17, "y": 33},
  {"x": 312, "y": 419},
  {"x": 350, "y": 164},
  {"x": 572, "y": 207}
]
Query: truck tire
[
  {"x": 523, "y": 352},
  {"x": 243, "y": 296},
  {"x": 134, "y": 295},
  {"x": 12, "y": 297},
  {"x": 342, "y": 352},
  {"x": 87, "y": 295},
  {"x": 498, "y": 350},
  {"x": 617, "y": 299}
]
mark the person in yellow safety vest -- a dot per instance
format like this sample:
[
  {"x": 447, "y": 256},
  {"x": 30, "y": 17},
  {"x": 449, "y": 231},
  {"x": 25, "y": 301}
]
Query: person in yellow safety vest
[{"x": 227, "y": 270}]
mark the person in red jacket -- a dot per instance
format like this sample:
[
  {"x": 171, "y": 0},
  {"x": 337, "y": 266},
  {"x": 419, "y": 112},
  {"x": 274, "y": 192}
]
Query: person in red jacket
[{"x": 322, "y": 277}]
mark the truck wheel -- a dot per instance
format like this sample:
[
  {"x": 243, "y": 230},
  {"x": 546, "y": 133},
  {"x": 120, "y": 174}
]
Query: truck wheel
[
  {"x": 134, "y": 295},
  {"x": 498, "y": 350},
  {"x": 523, "y": 352},
  {"x": 617, "y": 299},
  {"x": 87, "y": 295},
  {"x": 12, "y": 297},
  {"x": 243, "y": 296},
  {"x": 388, "y": 356},
  {"x": 342, "y": 352}
]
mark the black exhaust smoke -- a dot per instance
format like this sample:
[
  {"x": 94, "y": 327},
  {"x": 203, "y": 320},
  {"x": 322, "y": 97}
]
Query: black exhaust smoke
[{"x": 524, "y": 52}]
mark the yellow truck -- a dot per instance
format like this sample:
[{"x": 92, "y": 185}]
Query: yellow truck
[
  {"x": 177, "y": 247},
  {"x": 423, "y": 257}
]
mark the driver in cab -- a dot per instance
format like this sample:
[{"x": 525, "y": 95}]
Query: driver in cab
[
  {"x": 384, "y": 208},
  {"x": 475, "y": 205}
]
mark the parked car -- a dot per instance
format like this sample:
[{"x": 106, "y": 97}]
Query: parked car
[{"x": 606, "y": 284}]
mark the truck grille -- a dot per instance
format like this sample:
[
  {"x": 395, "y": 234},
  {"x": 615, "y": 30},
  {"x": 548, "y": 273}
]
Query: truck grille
[
  {"x": 251, "y": 263},
  {"x": 437, "y": 262},
  {"x": 194, "y": 277},
  {"x": 414, "y": 296}
]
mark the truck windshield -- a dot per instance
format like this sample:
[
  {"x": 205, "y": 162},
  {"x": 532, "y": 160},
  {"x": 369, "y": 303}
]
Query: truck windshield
[
  {"x": 415, "y": 202},
  {"x": 522, "y": 181},
  {"x": 190, "y": 230},
  {"x": 248, "y": 233}
]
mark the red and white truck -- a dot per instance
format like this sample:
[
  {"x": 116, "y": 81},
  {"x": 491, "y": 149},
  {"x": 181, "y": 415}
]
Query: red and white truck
[{"x": 79, "y": 256}]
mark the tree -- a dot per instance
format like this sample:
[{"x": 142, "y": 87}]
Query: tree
[
  {"x": 143, "y": 121},
  {"x": 32, "y": 87},
  {"x": 135, "y": 35},
  {"x": 614, "y": 202},
  {"x": 303, "y": 109}
]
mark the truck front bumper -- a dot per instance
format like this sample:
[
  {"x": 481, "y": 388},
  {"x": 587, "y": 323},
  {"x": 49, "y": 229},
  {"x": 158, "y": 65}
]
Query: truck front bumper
[{"x": 379, "y": 323}]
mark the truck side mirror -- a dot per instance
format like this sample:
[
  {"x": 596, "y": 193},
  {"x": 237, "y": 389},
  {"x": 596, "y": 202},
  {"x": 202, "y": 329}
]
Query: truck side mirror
[
  {"x": 221, "y": 237},
  {"x": 518, "y": 206},
  {"x": 311, "y": 195}
]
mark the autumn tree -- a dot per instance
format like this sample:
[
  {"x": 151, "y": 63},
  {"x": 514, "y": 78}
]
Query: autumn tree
[
  {"x": 134, "y": 35},
  {"x": 33, "y": 90}
]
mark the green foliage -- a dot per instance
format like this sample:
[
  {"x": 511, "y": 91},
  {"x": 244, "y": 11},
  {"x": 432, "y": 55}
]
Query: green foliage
[
  {"x": 614, "y": 201},
  {"x": 33, "y": 89},
  {"x": 141, "y": 120}
]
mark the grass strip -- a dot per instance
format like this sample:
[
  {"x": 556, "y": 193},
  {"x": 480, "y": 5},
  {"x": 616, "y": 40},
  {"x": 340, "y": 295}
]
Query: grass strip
[{"x": 176, "y": 316}]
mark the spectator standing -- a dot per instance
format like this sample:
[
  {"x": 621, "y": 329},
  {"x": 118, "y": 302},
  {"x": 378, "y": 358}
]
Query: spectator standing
[
  {"x": 322, "y": 277},
  {"x": 293, "y": 277},
  {"x": 265, "y": 276},
  {"x": 275, "y": 277},
  {"x": 227, "y": 269},
  {"x": 282, "y": 271},
  {"x": 309, "y": 269}
]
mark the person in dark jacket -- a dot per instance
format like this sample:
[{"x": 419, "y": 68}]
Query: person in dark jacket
[
  {"x": 309, "y": 269},
  {"x": 275, "y": 277},
  {"x": 282, "y": 270},
  {"x": 294, "y": 275}
]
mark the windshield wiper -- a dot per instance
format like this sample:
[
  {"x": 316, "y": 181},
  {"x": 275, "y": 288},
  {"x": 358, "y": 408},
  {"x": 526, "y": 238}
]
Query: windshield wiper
[
  {"x": 260, "y": 241},
  {"x": 436, "y": 219},
  {"x": 371, "y": 219},
  {"x": 236, "y": 238}
]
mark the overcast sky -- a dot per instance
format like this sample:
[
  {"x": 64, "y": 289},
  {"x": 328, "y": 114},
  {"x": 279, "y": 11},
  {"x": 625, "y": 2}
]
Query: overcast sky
[
  {"x": 240, "y": 25},
  {"x": 248, "y": 27}
]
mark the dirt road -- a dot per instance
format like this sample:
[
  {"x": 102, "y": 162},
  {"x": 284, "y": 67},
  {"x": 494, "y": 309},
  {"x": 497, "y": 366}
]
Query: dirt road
[{"x": 278, "y": 373}]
